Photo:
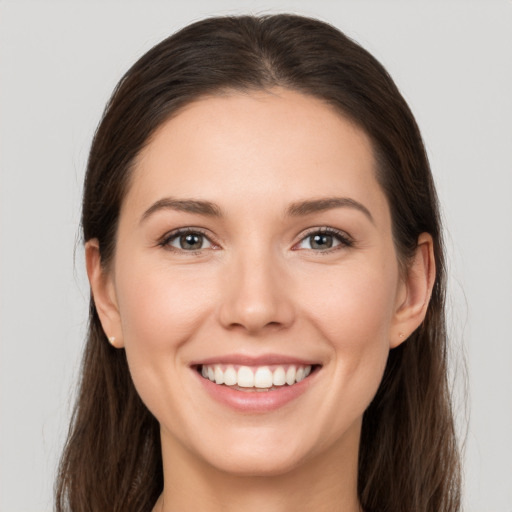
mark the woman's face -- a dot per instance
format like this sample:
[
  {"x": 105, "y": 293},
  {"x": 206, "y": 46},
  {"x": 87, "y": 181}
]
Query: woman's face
[{"x": 254, "y": 245}]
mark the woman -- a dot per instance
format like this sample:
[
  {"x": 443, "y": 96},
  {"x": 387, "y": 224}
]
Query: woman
[{"x": 264, "y": 251}]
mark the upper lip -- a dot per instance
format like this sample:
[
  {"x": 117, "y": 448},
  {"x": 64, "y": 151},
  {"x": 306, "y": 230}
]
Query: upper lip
[{"x": 260, "y": 360}]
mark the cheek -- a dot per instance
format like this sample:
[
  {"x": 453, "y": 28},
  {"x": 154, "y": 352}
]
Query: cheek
[
  {"x": 160, "y": 306},
  {"x": 354, "y": 307},
  {"x": 353, "y": 316},
  {"x": 353, "y": 311},
  {"x": 160, "y": 310}
]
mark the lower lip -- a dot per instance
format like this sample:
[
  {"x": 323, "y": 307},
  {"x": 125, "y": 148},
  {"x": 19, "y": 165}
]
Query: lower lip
[{"x": 255, "y": 401}]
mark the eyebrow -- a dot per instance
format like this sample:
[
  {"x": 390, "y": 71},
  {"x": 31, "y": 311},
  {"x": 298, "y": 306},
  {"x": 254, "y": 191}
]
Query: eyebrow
[
  {"x": 297, "y": 209},
  {"x": 206, "y": 208},
  {"x": 319, "y": 205}
]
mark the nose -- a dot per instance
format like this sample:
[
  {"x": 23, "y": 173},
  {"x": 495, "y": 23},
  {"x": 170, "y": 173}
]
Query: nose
[{"x": 256, "y": 296}]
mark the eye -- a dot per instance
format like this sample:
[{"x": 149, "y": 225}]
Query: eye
[
  {"x": 187, "y": 240},
  {"x": 324, "y": 239}
]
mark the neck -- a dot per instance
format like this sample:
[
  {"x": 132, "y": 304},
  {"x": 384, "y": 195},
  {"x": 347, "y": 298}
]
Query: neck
[{"x": 325, "y": 483}]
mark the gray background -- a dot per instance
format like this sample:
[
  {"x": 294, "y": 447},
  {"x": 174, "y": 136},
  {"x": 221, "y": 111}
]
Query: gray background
[{"x": 58, "y": 64}]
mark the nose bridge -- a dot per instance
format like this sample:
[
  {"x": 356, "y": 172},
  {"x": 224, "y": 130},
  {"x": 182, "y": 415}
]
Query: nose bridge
[{"x": 255, "y": 296}]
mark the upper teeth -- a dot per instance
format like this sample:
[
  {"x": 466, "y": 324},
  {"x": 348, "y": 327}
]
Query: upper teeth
[{"x": 255, "y": 377}]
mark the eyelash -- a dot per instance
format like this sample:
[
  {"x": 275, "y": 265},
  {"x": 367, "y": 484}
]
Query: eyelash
[{"x": 340, "y": 236}]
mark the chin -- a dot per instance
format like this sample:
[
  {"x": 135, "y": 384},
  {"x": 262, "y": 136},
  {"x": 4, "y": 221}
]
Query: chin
[
  {"x": 256, "y": 464},
  {"x": 258, "y": 452}
]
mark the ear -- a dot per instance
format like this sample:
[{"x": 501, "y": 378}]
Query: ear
[
  {"x": 103, "y": 292},
  {"x": 414, "y": 293}
]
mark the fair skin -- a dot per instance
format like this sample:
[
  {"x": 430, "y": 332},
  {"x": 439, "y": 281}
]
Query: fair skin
[{"x": 272, "y": 275}]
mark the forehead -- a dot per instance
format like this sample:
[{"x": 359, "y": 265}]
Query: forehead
[{"x": 279, "y": 143}]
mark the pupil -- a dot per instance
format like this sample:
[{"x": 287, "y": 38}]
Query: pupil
[
  {"x": 191, "y": 241},
  {"x": 321, "y": 241}
]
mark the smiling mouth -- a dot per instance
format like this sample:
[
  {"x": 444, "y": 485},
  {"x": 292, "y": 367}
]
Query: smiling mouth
[{"x": 256, "y": 378}]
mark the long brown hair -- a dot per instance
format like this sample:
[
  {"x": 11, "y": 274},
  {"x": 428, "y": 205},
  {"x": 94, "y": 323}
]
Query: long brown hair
[{"x": 408, "y": 458}]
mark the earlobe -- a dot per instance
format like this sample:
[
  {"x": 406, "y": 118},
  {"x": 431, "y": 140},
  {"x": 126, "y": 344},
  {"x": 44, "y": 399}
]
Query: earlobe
[
  {"x": 417, "y": 290},
  {"x": 103, "y": 292}
]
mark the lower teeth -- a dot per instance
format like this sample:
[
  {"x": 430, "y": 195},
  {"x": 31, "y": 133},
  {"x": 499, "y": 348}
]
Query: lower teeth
[{"x": 258, "y": 390}]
